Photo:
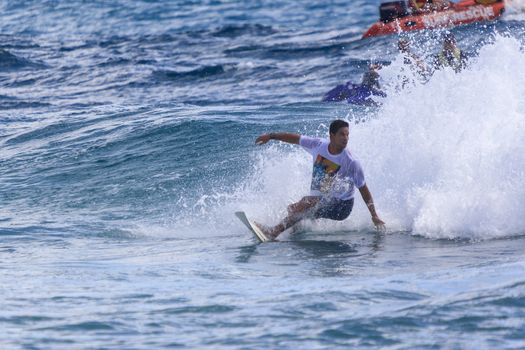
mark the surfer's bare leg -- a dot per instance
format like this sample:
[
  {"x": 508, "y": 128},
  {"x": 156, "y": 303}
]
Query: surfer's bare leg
[{"x": 296, "y": 212}]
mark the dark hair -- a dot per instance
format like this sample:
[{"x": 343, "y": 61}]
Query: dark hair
[
  {"x": 336, "y": 125},
  {"x": 449, "y": 37}
]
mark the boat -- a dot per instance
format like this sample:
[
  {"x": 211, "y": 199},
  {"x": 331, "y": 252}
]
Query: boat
[{"x": 395, "y": 16}]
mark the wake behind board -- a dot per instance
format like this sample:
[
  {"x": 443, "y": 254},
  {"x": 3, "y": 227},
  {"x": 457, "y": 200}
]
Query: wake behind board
[{"x": 252, "y": 227}]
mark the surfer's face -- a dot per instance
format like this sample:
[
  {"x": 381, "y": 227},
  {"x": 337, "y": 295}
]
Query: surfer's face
[{"x": 340, "y": 138}]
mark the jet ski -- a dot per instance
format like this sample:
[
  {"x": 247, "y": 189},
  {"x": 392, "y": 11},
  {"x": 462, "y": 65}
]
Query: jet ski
[{"x": 357, "y": 94}]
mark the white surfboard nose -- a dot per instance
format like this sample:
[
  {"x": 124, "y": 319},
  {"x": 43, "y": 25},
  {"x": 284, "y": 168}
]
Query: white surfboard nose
[{"x": 252, "y": 227}]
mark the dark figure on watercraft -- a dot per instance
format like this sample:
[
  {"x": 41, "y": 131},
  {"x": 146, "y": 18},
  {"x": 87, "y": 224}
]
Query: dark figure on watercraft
[
  {"x": 451, "y": 55},
  {"x": 358, "y": 94}
]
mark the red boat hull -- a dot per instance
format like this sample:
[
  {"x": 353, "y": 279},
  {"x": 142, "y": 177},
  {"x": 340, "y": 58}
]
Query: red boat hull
[{"x": 463, "y": 12}]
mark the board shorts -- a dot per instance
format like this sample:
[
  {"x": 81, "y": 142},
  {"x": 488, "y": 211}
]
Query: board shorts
[{"x": 333, "y": 209}]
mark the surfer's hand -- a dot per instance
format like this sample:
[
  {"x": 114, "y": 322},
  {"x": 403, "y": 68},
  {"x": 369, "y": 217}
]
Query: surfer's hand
[
  {"x": 261, "y": 140},
  {"x": 380, "y": 224}
]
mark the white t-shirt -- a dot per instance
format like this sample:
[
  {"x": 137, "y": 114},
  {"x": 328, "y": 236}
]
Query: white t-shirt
[{"x": 333, "y": 175}]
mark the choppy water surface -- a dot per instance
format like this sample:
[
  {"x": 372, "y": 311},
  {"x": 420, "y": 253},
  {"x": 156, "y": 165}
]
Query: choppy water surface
[{"x": 127, "y": 145}]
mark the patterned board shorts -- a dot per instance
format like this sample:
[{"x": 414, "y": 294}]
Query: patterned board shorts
[{"x": 333, "y": 208}]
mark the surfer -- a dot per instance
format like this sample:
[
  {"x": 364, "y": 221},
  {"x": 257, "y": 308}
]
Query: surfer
[{"x": 336, "y": 173}]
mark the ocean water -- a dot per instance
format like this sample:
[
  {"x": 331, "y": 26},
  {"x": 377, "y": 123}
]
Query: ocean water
[{"x": 127, "y": 143}]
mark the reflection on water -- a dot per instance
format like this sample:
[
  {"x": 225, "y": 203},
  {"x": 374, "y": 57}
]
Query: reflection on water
[{"x": 332, "y": 254}]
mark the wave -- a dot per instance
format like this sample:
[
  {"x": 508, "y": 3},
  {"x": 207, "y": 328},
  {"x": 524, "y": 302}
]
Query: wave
[
  {"x": 205, "y": 72},
  {"x": 444, "y": 159},
  {"x": 6, "y": 105},
  {"x": 8, "y": 61},
  {"x": 10, "y": 102},
  {"x": 291, "y": 51},
  {"x": 449, "y": 161},
  {"x": 233, "y": 31},
  {"x": 113, "y": 167}
]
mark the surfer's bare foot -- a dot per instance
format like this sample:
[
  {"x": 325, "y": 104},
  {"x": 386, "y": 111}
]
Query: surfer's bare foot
[{"x": 265, "y": 229}]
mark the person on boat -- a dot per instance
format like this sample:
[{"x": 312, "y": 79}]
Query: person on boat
[
  {"x": 451, "y": 55},
  {"x": 358, "y": 94},
  {"x": 427, "y": 6},
  {"x": 335, "y": 176},
  {"x": 390, "y": 10}
]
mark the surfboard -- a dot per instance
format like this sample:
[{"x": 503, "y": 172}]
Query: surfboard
[{"x": 252, "y": 227}]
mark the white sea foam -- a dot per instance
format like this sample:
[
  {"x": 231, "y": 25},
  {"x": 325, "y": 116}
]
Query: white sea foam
[{"x": 447, "y": 158}]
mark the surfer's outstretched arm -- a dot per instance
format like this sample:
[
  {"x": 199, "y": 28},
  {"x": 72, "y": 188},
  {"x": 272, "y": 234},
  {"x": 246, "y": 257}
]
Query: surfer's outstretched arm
[
  {"x": 369, "y": 201},
  {"x": 280, "y": 136}
]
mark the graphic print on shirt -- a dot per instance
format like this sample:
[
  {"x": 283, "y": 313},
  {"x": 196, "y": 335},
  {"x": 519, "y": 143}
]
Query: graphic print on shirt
[{"x": 323, "y": 174}]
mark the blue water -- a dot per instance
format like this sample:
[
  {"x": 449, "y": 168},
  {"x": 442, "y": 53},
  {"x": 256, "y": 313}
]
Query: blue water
[{"x": 127, "y": 145}]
